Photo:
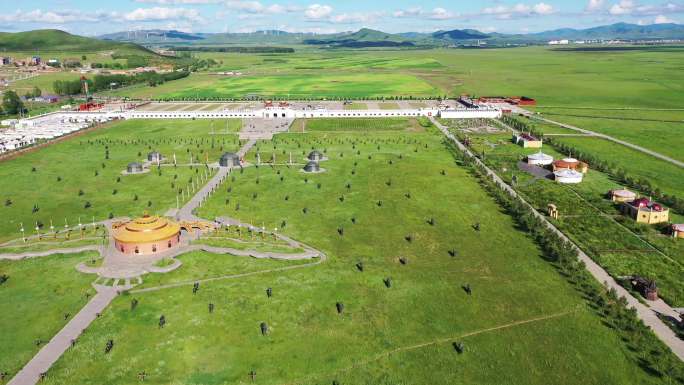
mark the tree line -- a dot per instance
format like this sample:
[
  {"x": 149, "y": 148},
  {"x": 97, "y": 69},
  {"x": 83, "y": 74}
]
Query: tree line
[{"x": 104, "y": 82}]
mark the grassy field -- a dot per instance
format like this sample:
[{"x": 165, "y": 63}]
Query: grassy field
[
  {"x": 523, "y": 324},
  {"x": 660, "y": 131},
  {"x": 37, "y": 296},
  {"x": 70, "y": 174},
  {"x": 666, "y": 176},
  {"x": 288, "y": 85},
  {"x": 362, "y": 124},
  {"x": 615, "y": 242},
  {"x": 42, "y": 81},
  {"x": 646, "y": 78}
]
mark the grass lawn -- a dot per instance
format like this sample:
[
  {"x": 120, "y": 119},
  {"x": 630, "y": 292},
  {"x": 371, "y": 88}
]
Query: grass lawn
[
  {"x": 389, "y": 106},
  {"x": 42, "y": 81},
  {"x": 64, "y": 170},
  {"x": 668, "y": 177},
  {"x": 660, "y": 131},
  {"x": 592, "y": 221},
  {"x": 361, "y": 124},
  {"x": 371, "y": 205},
  {"x": 36, "y": 298},
  {"x": 356, "y": 106}
]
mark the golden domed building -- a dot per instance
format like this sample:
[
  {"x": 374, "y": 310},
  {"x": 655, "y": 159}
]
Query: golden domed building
[{"x": 146, "y": 235}]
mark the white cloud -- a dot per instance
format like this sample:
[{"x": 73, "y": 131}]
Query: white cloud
[
  {"x": 441, "y": 14},
  {"x": 662, "y": 19},
  {"x": 543, "y": 9},
  {"x": 410, "y": 12},
  {"x": 595, "y": 5},
  {"x": 624, "y": 7},
  {"x": 352, "y": 18},
  {"x": 317, "y": 11},
  {"x": 519, "y": 10},
  {"x": 162, "y": 13},
  {"x": 171, "y": 2},
  {"x": 53, "y": 17}
]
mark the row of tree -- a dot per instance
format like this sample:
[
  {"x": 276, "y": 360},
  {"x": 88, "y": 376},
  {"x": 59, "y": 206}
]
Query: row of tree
[
  {"x": 105, "y": 82},
  {"x": 649, "y": 351}
]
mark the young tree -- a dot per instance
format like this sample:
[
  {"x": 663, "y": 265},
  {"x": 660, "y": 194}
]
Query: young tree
[{"x": 11, "y": 103}]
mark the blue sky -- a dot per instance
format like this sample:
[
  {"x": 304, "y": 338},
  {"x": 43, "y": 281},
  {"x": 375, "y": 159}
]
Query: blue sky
[{"x": 324, "y": 16}]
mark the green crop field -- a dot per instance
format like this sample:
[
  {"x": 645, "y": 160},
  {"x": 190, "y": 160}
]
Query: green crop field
[
  {"x": 523, "y": 323},
  {"x": 64, "y": 170},
  {"x": 294, "y": 86}
]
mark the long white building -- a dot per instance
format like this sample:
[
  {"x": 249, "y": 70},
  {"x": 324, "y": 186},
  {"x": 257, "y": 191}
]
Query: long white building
[{"x": 25, "y": 132}]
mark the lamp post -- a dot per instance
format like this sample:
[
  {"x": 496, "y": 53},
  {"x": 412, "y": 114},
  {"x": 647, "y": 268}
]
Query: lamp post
[
  {"x": 38, "y": 231},
  {"x": 52, "y": 230},
  {"x": 23, "y": 235}
]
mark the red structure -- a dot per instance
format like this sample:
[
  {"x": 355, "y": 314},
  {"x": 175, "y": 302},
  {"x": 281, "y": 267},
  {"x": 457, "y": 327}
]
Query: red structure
[
  {"x": 513, "y": 100},
  {"x": 90, "y": 106}
]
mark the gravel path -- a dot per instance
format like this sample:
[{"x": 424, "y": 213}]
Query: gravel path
[{"x": 647, "y": 313}]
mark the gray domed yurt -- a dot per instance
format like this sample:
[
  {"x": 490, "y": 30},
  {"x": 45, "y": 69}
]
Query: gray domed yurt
[
  {"x": 315, "y": 155},
  {"x": 134, "y": 168},
  {"x": 154, "y": 156},
  {"x": 312, "y": 167},
  {"x": 229, "y": 159}
]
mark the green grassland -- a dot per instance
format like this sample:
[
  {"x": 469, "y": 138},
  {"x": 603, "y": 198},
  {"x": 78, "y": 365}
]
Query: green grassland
[
  {"x": 647, "y": 78},
  {"x": 660, "y": 131},
  {"x": 592, "y": 221},
  {"x": 77, "y": 161},
  {"x": 317, "y": 85},
  {"x": 668, "y": 177},
  {"x": 42, "y": 81},
  {"x": 400, "y": 334},
  {"x": 36, "y": 298}
]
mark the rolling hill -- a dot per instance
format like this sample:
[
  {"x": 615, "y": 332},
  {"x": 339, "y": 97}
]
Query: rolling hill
[{"x": 56, "y": 40}]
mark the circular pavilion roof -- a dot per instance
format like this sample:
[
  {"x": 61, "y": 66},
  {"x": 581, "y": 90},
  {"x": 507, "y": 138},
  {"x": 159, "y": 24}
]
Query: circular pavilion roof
[
  {"x": 624, "y": 193},
  {"x": 566, "y": 173},
  {"x": 678, "y": 227},
  {"x": 539, "y": 156},
  {"x": 229, "y": 155},
  {"x": 135, "y": 164},
  {"x": 315, "y": 155},
  {"x": 146, "y": 229}
]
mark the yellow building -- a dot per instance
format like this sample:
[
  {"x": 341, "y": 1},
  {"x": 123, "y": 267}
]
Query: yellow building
[
  {"x": 146, "y": 235},
  {"x": 643, "y": 210},
  {"x": 527, "y": 140}
]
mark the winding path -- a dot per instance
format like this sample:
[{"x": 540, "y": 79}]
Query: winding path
[{"x": 647, "y": 313}]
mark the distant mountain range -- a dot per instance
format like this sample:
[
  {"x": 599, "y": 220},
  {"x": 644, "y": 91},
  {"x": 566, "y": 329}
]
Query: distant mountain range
[{"x": 372, "y": 38}]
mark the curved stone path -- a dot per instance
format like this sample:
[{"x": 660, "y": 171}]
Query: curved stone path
[
  {"x": 647, "y": 313},
  {"x": 123, "y": 268}
]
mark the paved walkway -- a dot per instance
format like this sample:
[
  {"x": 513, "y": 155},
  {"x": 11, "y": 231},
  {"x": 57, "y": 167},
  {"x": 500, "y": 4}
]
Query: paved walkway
[
  {"x": 647, "y": 313},
  {"x": 612, "y": 139},
  {"x": 50, "y": 353}
]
